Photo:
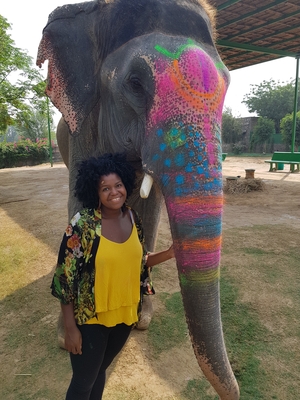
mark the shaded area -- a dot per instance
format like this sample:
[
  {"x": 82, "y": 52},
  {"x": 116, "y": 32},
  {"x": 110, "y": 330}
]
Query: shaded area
[{"x": 36, "y": 199}]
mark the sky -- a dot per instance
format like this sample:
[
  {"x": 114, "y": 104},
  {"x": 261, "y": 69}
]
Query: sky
[{"x": 28, "y": 18}]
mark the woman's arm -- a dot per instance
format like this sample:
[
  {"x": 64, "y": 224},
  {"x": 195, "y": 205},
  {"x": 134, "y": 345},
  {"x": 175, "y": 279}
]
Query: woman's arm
[
  {"x": 152, "y": 258},
  {"x": 159, "y": 257},
  {"x": 73, "y": 340}
]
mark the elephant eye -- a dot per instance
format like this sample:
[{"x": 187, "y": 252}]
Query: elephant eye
[{"x": 135, "y": 83}]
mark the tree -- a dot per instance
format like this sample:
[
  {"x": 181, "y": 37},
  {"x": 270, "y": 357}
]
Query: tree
[
  {"x": 10, "y": 136},
  {"x": 263, "y": 132},
  {"x": 231, "y": 127},
  {"x": 35, "y": 126},
  {"x": 286, "y": 127},
  {"x": 21, "y": 85},
  {"x": 271, "y": 100}
]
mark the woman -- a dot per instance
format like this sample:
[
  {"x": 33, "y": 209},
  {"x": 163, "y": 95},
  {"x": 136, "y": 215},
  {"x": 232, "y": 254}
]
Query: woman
[{"x": 102, "y": 272}]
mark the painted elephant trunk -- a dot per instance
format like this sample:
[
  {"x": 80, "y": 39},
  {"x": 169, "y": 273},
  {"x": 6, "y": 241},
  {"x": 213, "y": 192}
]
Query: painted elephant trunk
[
  {"x": 191, "y": 182},
  {"x": 196, "y": 234},
  {"x": 195, "y": 223}
]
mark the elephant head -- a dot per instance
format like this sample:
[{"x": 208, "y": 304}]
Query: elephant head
[{"x": 145, "y": 77}]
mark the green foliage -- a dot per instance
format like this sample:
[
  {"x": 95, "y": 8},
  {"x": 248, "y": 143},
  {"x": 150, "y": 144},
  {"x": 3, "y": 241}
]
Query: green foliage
[
  {"x": 11, "y": 135},
  {"x": 271, "y": 100},
  {"x": 238, "y": 148},
  {"x": 260, "y": 312},
  {"x": 196, "y": 389},
  {"x": 231, "y": 127},
  {"x": 168, "y": 329},
  {"x": 286, "y": 129},
  {"x": 35, "y": 126},
  {"x": 21, "y": 85},
  {"x": 263, "y": 132},
  {"x": 24, "y": 152},
  {"x": 243, "y": 332}
]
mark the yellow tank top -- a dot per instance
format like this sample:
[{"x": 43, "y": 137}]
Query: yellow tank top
[{"x": 117, "y": 281}]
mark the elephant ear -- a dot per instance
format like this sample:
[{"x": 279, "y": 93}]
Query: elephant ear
[{"x": 69, "y": 46}]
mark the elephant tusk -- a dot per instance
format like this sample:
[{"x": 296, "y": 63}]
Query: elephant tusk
[{"x": 146, "y": 186}]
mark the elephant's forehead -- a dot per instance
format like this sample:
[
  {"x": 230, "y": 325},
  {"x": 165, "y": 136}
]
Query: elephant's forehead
[
  {"x": 190, "y": 84},
  {"x": 176, "y": 62},
  {"x": 155, "y": 45}
]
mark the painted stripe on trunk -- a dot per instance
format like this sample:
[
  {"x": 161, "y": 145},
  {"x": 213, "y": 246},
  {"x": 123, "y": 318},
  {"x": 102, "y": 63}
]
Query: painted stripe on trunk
[
  {"x": 201, "y": 245},
  {"x": 196, "y": 277},
  {"x": 188, "y": 205}
]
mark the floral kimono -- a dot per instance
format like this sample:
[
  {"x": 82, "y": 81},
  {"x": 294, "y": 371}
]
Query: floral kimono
[{"x": 74, "y": 277}]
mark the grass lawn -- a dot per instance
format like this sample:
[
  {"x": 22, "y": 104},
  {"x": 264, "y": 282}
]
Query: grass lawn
[{"x": 260, "y": 293}]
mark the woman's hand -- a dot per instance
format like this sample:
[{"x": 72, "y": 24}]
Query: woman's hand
[
  {"x": 73, "y": 340},
  {"x": 161, "y": 256},
  {"x": 170, "y": 251}
]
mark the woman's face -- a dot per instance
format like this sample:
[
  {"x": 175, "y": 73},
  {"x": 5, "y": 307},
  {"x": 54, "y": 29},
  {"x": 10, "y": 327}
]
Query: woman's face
[{"x": 111, "y": 191}]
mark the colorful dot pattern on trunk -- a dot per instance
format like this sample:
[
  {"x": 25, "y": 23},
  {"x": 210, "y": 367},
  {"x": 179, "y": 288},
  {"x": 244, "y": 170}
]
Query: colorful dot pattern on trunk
[{"x": 186, "y": 120}]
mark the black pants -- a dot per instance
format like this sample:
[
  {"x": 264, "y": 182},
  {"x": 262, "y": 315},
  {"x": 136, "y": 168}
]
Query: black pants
[{"x": 100, "y": 345}]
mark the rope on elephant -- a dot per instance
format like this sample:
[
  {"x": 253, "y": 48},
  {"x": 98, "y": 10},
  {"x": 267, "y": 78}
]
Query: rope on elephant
[{"x": 238, "y": 185}]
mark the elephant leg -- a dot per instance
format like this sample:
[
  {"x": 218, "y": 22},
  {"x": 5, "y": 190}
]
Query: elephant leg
[{"x": 146, "y": 314}]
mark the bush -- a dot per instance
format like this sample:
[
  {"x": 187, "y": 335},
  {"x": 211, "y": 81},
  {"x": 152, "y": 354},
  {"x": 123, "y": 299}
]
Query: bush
[
  {"x": 286, "y": 127},
  {"x": 232, "y": 128},
  {"x": 238, "y": 148},
  {"x": 24, "y": 152},
  {"x": 263, "y": 133}
]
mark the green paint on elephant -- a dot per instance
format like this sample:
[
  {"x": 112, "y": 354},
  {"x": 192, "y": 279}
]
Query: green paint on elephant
[
  {"x": 202, "y": 277},
  {"x": 178, "y": 53},
  {"x": 175, "y": 138}
]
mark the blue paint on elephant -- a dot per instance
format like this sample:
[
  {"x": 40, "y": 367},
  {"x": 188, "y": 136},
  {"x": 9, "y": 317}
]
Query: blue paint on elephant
[
  {"x": 199, "y": 170},
  {"x": 210, "y": 230},
  {"x": 211, "y": 187},
  {"x": 179, "y": 160},
  {"x": 180, "y": 179},
  {"x": 189, "y": 168},
  {"x": 179, "y": 192},
  {"x": 165, "y": 179},
  {"x": 214, "y": 186},
  {"x": 162, "y": 146}
]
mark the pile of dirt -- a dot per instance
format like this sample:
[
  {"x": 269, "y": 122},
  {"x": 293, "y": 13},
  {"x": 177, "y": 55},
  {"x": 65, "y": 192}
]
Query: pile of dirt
[{"x": 237, "y": 185}]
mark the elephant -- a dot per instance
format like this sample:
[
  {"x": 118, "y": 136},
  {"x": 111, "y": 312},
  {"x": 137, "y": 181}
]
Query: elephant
[{"x": 145, "y": 77}]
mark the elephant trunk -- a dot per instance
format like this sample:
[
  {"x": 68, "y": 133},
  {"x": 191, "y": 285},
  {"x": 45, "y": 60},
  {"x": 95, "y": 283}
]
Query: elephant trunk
[
  {"x": 196, "y": 228},
  {"x": 183, "y": 153}
]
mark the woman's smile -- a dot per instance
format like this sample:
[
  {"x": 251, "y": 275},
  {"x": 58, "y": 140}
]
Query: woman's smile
[{"x": 112, "y": 192}]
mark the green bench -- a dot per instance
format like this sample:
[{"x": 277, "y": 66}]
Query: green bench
[
  {"x": 280, "y": 158},
  {"x": 224, "y": 156}
]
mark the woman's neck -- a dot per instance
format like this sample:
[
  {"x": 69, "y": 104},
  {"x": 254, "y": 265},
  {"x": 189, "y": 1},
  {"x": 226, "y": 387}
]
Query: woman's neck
[{"x": 107, "y": 213}]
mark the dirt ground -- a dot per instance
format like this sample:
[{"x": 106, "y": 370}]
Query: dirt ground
[{"x": 34, "y": 199}]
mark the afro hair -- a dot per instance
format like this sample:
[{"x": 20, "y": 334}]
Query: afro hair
[{"x": 90, "y": 171}]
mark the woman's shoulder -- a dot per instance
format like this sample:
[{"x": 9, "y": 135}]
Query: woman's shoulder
[
  {"x": 85, "y": 215},
  {"x": 133, "y": 213},
  {"x": 137, "y": 220}
]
